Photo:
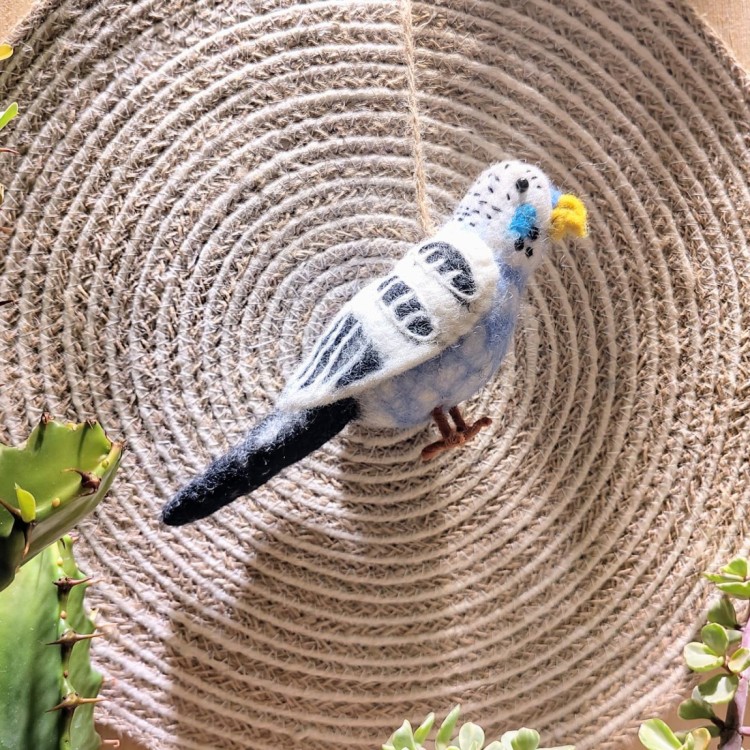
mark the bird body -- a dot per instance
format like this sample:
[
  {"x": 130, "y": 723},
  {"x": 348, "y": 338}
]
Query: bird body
[{"x": 420, "y": 340}]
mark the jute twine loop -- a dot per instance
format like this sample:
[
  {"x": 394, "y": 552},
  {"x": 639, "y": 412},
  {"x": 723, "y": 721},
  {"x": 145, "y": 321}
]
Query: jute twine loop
[{"x": 202, "y": 184}]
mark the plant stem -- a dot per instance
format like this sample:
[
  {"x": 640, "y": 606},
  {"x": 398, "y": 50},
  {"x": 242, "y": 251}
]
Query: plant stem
[{"x": 731, "y": 736}]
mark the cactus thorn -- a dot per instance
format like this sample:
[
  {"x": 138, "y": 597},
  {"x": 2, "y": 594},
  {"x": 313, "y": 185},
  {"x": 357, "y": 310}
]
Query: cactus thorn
[
  {"x": 111, "y": 743},
  {"x": 46, "y": 418},
  {"x": 89, "y": 480},
  {"x": 70, "y": 638},
  {"x": 91, "y": 422},
  {"x": 10, "y": 508},
  {"x": 71, "y": 701},
  {"x": 66, "y": 583},
  {"x": 27, "y": 540}
]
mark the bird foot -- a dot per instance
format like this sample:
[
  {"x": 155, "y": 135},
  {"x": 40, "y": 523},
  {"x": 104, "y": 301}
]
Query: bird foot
[{"x": 452, "y": 437}]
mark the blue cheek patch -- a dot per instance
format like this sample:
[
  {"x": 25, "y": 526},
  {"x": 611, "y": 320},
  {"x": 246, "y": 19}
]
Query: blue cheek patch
[{"x": 523, "y": 219}]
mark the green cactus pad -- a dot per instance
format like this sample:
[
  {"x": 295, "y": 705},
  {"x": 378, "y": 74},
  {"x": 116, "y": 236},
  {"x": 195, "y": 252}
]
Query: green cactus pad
[
  {"x": 47, "y": 684},
  {"x": 48, "y": 485}
]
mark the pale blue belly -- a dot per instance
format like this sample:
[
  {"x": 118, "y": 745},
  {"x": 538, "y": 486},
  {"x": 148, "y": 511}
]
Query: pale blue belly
[{"x": 452, "y": 377}]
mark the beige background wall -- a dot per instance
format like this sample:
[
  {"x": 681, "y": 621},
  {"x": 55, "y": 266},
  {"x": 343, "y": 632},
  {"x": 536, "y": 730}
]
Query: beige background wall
[{"x": 730, "y": 18}]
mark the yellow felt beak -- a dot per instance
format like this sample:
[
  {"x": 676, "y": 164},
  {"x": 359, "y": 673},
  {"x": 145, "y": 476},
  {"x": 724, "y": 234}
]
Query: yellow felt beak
[{"x": 568, "y": 218}]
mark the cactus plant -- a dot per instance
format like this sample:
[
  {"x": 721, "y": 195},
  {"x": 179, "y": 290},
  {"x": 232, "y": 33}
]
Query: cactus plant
[
  {"x": 48, "y": 485},
  {"x": 47, "y": 685}
]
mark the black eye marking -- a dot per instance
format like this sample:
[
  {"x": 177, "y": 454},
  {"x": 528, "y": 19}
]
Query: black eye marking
[
  {"x": 507, "y": 195},
  {"x": 482, "y": 203},
  {"x": 476, "y": 195},
  {"x": 472, "y": 223},
  {"x": 538, "y": 187},
  {"x": 507, "y": 165},
  {"x": 496, "y": 208},
  {"x": 533, "y": 233},
  {"x": 489, "y": 187},
  {"x": 489, "y": 216},
  {"x": 476, "y": 211},
  {"x": 534, "y": 178},
  {"x": 522, "y": 184},
  {"x": 518, "y": 244}
]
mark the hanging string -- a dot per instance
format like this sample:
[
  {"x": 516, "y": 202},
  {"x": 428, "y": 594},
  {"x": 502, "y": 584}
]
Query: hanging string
[{"x": 420, "y": 176}]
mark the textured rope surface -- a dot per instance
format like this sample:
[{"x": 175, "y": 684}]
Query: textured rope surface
[{"x": 202, "y": 184}]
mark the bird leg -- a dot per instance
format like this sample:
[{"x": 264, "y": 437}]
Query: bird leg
[{"x": 452, "y": 437}]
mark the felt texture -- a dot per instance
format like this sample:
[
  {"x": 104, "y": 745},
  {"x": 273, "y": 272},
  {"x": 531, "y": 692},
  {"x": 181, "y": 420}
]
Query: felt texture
[
  {"x": 429, "y": 334},
  {"x": 281, "y": 439},
  {"x": 450, "y": 295},
  {"x": 202, "y": 186}
]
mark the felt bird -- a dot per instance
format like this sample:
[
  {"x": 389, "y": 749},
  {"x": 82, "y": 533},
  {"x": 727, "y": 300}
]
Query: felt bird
[{"x": 410, "y": 346}]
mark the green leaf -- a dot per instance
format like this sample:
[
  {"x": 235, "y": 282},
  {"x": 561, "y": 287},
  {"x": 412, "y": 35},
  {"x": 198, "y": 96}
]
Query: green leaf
[
  {"x": 8, "y": 115},
  {"x": 695, "y": 709},
  {"x": 26, "y": 504},
  {"x": 715, "y": 637},
  {"x": 738, "y": 590},
  {"x": 387, "y": 747},
  {"x": 719, "y": 689},
  {"x": 722, "y": 611},
  {"x": 713, "y": 730},
  {"x": 526, "y": 739},
  {"x": 736, "y": 567},
  {"x": 403, "y": 738},
  {"x": 421, "y": 732},
  {"x": 5, "y": 51},
  {"x": 701, "y": 738},
  {"x": 654, "y": 734},
  {"x": 700, "y": 658},
  {"x": 739, "y": 661},
  {"x": 445, "y": 733},
  {"x": 471, "y": 737}
]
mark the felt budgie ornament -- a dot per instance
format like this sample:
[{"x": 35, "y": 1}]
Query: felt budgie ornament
[{"x": 412, "y": 345}]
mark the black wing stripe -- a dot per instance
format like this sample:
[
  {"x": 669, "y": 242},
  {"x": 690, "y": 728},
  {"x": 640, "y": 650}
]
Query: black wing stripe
[
  {"x": 396, "y": 290},
  {"x": 450, "y": 263},
  {"x": 369, "y": 362},
  {"x": 420, "y": 326},
  {"x": 412, "y": 305},
  {"x": 321, "y": 347},
  {"x": 347, "y": 354},
  {"x": 323, "y": 355}
]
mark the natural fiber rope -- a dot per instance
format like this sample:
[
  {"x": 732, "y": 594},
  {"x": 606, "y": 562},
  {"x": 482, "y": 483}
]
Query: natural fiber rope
[
  {"x": 202, "y": 184},
  {"x": 420, "y": 175}
]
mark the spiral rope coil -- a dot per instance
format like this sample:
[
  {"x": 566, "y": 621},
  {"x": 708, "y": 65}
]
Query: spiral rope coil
[{"x": 200, "y": 186}]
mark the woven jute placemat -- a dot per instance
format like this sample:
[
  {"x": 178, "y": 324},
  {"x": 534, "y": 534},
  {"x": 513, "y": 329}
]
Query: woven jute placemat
[{"x": 201, "y": 184}]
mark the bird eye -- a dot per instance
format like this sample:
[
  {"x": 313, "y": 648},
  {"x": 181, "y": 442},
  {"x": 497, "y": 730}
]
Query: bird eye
[{"x": 522, "y": 184}]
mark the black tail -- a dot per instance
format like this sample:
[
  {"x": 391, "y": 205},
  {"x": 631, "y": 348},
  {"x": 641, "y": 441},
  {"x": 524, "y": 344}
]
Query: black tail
[{"x": 279, "y": 440}]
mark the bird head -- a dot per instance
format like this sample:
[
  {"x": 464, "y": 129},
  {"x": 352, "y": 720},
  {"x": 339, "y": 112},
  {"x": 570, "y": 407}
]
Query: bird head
[{"x": 517, "y": 211}]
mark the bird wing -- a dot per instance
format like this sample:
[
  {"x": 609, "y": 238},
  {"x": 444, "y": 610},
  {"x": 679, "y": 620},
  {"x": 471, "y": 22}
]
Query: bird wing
[{"x": 434, "y": 295}]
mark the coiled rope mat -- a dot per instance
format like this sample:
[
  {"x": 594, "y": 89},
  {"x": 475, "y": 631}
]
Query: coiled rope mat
[{"x": 201, "y": 184}]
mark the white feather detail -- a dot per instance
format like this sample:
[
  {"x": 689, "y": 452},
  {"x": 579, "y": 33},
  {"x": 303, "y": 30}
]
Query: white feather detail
[{"x": 370, "y": 330}]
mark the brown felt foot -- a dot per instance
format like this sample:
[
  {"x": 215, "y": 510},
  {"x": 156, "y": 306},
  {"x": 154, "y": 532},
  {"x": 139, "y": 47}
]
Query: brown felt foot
[{"x": 452, "y": 437}]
